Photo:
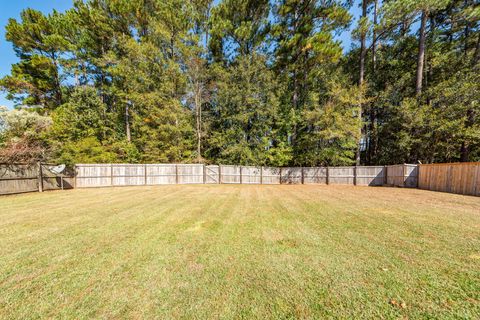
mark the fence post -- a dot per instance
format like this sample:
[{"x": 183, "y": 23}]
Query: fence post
[
  {"x": 240, "y": 174},
  {"x": 145, "y": 172},
  {"x": 219, "y": 174},
  {"x": 261, "y": 174},
  {"x": 385, "y": 175},
  {"x": 355, "y": 175},
  {"x": 328, "y": 176},
  {"x": 176, "y": 173},
  {"x": 111, "y": 174},
  {"x": 40, "y": 177},
  {"x": 303, "y": 177},
  {"x": 75, "y": 177},
  {"x": 204, "y": 173},
  {"x": 281, "y": 169}
]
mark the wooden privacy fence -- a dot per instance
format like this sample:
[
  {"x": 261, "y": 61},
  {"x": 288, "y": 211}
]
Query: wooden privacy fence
[
  {"x": 20, "y": 178},
  {"x": 102, "y": 175},
  {"x": 461, "y": 178}
]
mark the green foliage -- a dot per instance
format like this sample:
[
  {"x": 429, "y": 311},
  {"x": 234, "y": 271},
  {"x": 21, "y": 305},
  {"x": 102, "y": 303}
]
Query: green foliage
[
  {"x": 331, "y": 127},
  {"x": 39, "y": 44},
  {"x": 238, "y": 27},
  {"x": 245, "y": 112},
  {"x": 244, "y": 82},
  {"x": 87, "y": 150},
  {"x": 83, "y": 116}
]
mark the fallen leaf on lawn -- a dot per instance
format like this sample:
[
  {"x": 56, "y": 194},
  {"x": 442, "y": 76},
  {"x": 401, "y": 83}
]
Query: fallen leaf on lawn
[{"x": 395, "y": 303}]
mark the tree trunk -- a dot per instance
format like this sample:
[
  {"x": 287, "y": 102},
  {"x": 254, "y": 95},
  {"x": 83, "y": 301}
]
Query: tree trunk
[
  {"x": 198, "y": 116},
  {"x": 464, "y": 154},
  {"x": 363, "y": 49},
  {"x": 359, "y": 150},
  {"x": 372, "y": 141},
  {"x": 466, "y": 30},
  {"x": 374, "y": 37},
  {"x": 421, "y": 53},
  {"x": 295, "y": 107},
  {"x": 465, "y": 148},
  {"x": 363, "y": 53},
  {"x": 127, "y": 123},
  {"x": 428, "y": 74},
  {"x": 295, "y": 61},
  {"x": 476, "y": 54}
]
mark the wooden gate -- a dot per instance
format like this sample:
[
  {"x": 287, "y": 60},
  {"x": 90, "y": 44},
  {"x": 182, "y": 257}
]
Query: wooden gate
[{"x": 212, "y": 174}]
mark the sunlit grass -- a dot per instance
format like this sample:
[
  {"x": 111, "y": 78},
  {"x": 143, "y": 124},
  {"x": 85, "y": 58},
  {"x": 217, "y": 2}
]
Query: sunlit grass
[{"x": 240, "y": 252}]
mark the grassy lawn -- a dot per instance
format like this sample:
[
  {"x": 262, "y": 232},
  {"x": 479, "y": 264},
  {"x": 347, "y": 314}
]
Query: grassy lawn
[{"x": 240, "y": 252}]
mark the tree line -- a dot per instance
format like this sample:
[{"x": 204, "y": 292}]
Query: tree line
[{"x": 251, "y": 82}]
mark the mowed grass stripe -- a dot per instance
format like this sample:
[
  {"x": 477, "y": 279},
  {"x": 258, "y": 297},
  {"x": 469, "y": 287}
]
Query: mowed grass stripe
[{"x": 234, "y": 251}]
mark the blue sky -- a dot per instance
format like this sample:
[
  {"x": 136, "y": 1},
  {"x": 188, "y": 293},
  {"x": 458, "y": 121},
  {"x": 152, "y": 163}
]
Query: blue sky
[{"x": 12, "y": 9}]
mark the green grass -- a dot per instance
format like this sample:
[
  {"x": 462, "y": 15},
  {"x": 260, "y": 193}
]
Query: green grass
[{"x": 278, "y": 252}]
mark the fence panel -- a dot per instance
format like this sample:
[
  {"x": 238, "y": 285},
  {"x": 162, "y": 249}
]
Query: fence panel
[
  {"x": 190, "y": 173},
  {"x": 411, "y": 175},
  {"x": 395, "y": 175},
  {"x": 18, "y": 178},
  {"x": 341, "y": 175},
  {"x": 128, "y": 174},
  {"x": 315, "y": 175},
  {"x": 93, "y": 175},
  {"x": 291, "y": 175},
  {"x": 229, "y": 174},
  {"x": 370, "y": 176},
  {"x": 270, "y": 175},
  {"x": 251, "y": 175},
  {"x": 53, "y": 181},
  {"x": 161, "y": 174},
  {"x": 402, "y": 175},
  {"x": 460, "y": 178}
]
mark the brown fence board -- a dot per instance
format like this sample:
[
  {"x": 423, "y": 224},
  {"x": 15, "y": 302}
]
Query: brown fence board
[{"x": 460, "y": 178}]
